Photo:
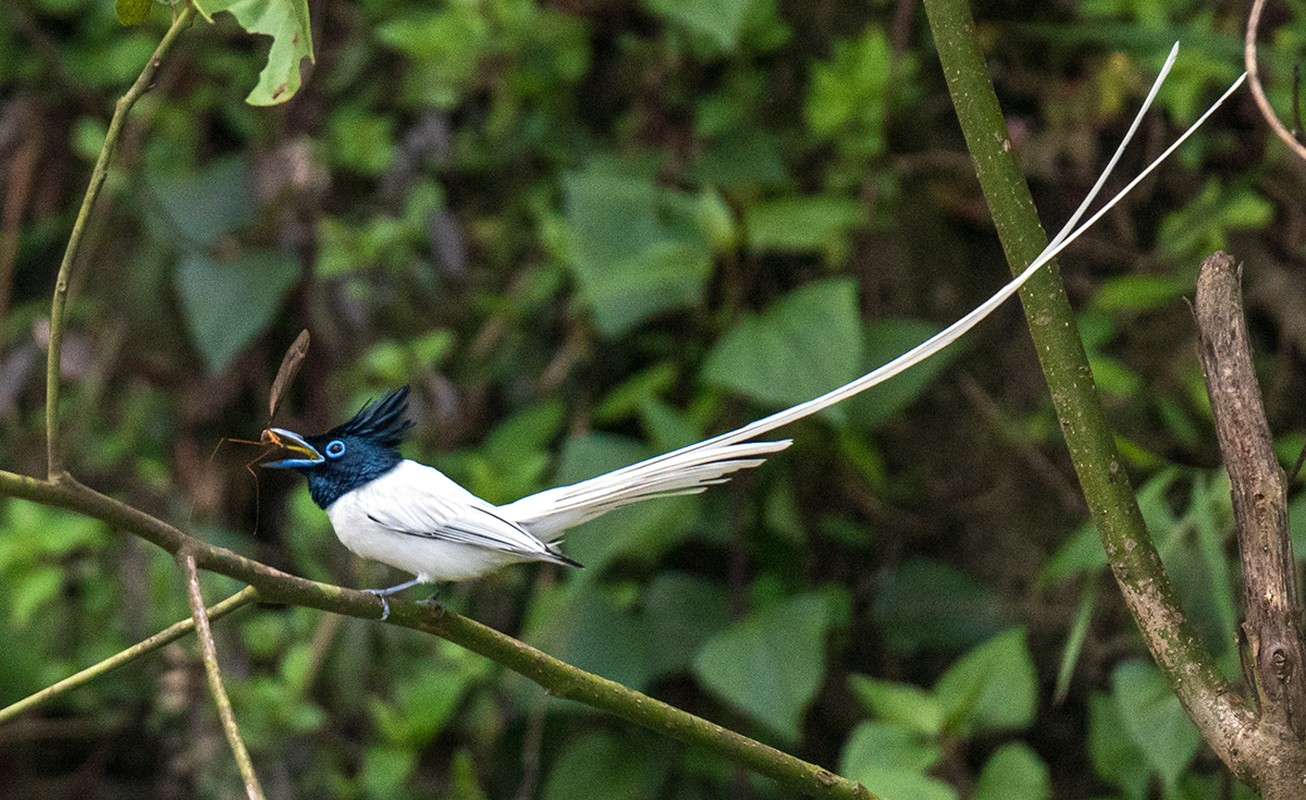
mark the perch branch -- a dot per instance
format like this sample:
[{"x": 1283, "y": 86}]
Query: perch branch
[{"x": 556, "y": 676}]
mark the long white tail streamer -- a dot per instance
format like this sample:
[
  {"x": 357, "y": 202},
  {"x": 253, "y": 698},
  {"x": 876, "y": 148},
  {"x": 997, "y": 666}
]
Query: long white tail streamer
[{"x": 695, "y": 466}]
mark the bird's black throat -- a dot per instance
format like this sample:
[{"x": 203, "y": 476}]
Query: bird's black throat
[{"x": 364, "y": 463}]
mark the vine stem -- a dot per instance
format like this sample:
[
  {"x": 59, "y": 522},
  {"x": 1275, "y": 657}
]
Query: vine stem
[{"x": 54, "y": 354}]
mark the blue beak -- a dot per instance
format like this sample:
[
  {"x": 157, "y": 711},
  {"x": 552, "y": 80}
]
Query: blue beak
[{"x": 307, "y": 455}]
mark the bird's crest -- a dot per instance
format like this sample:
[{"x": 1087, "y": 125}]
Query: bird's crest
[{"x": 383, "y": 421}]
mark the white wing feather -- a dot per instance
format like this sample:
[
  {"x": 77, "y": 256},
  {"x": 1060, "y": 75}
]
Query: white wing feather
[{"x": 420, "y": 501}]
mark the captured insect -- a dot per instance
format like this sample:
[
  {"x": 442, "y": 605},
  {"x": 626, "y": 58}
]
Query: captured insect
[{"x": 268, "y": 439}]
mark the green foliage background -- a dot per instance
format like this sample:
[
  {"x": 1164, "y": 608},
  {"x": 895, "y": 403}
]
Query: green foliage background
[{"x": 587, "y": 232}]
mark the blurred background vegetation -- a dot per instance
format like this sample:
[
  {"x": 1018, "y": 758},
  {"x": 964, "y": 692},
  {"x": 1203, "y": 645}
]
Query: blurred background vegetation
[{"x": 586, "y": 231}]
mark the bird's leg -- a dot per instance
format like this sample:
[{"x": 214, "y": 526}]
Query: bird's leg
[{"x": 382, "y": 594}]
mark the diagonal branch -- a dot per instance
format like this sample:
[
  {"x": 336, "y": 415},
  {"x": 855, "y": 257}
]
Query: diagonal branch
[
  {"x": 98, "y": 174},
  {"x": 557, "y": 677},
  {"x": 164, "y": 637},
  {"x": 1185, "y": 661},
  {"x": 253, "y": 789}
]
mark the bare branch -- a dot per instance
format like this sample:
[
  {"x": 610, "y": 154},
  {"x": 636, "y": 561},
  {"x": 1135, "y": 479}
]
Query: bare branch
[
  {"x": 253, "y": 789},
  {"x": 1254, "y": 78}
]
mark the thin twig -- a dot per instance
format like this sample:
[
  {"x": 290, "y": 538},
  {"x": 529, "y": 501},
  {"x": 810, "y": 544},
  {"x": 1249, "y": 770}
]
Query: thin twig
[
  {"x": 164, "y": 637},
  {"x": 209, "y": 650},
  {"x": 1254, "y": 78},
  {"x": 98, "y": 174}
]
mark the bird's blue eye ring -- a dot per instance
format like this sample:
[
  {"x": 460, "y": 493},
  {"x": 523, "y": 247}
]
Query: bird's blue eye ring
[{"x": 335, "y": 449}]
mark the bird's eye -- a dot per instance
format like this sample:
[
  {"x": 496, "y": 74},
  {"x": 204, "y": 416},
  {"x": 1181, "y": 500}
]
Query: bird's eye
[{"x": 336, "y": 449}]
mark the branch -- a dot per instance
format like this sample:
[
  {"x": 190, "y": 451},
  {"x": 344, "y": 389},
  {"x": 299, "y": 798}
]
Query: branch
[
  {"x": 1260, "y": 505},
  {"x": 555, "y": 676},
  {"x": 164, "y": 637},
  {"x": 98, "y": 174},
  {"x": 1182, "y": 658},
  {"x": 210, "y": 653},
  {"x": 1258, "y": 92}
]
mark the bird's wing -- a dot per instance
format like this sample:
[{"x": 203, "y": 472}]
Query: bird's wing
[{"x": 417, "y": 500}]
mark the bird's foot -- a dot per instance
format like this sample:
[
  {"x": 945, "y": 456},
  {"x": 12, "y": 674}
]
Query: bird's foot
[
  {"x": 433, "y": 603},
  {"x": 380, "y": 594}
]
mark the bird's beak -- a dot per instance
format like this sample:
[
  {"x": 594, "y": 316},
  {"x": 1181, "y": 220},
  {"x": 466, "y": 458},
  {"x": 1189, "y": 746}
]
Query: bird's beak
[{"x": 292, "y": 443}]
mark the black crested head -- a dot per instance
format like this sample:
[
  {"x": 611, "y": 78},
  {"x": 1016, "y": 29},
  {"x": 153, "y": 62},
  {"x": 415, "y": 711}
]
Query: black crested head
[
  {"x": 383, "y": 421},
  {"x": 350, "y": 455}
]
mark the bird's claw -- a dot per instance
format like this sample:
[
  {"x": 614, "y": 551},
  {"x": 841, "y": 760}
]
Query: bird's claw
[
  {"x": 379, "y": 594},
  {"x": 433, "y": 603}
]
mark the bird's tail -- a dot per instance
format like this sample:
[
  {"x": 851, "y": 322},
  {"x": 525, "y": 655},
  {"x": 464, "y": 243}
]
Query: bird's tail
[
  {"x": 689, "y": 470},
  {"x": 693, "y": 468}
]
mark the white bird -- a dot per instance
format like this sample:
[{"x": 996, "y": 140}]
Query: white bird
[{"x": 411, "y": 516}]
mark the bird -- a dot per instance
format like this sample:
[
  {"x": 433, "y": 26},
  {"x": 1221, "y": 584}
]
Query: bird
[
  {"x": 410, "y": 516},
  {"x": 413, "y": 517}
]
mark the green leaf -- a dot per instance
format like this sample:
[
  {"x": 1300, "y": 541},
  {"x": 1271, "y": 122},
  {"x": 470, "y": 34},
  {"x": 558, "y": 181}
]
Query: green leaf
[
  {"x": 886, "y": 339},
  {"x": 665, "y": 275},
  {"x": 589, "y": 629},
  {"x": 629, "y": 259},
  {"x": 1081, "y": 554},
  {"x": 447, "y": 47},
  {"x": 1204, "y": 224},
  {"x": 802, "y": 224},
  {"x": 360, "y": 139},
  {"x": 926, "y": 603},
  {"x": 32, "y": 591},
  {"x": 425, "y": 699},
  {"x": 722, "y": 20},
  {"x": 683, "y": 612},
  {"x": 891, "y": 761},
  {"x": 286, "y": 21},
  {"x": 805, "y": 344},
  {"x": 226, "y": 303},
  {"x": 907, "y": 706},
  {"x": 848, "y": 95},
  {"x": 1155, "y": 720},
  {"x": 132, "y": 12},
  {"x": 1137, "y": 293},
  {"x": 991, "y": 688},
  {"x": 1014, "y": 770},
  {"x": 771, "y": 664},
  {"x": 386, "y": 769},
  {"x": 1114, "y": 755},
  {"x": 204, "y": 205},
  {"x": 602, "y": 765}
]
